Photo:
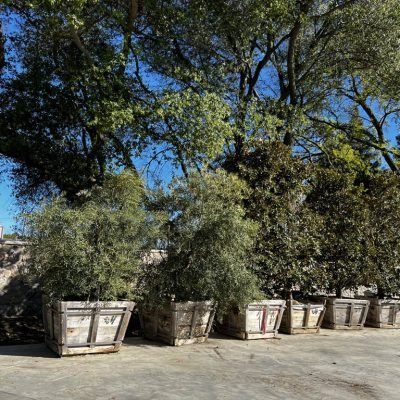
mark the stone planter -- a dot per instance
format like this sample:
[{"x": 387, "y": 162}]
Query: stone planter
[
  {"x": 75, "y": 327},
  {"x": 302, "y": 317},
  {"x": 259, "y": 320},
  {"x": 178, "y": 323},
  {"x": 384, "y": 313},
  {"x": 344, "y": 313}
]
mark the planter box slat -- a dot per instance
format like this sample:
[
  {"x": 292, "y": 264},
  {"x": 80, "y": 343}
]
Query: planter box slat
[
  {"x": 260, "y": 320},
  {"x": 302, "y": 318},
  {"x": 178, "y": 323},
  {"x": 86, "y": 327},
  {"x": 384, "y": 313}
]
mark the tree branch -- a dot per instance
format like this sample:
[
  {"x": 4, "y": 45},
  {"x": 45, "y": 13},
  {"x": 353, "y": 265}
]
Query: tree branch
[
  {"x": 267, "y": 57},
  {"x": 78, "y": 43}
]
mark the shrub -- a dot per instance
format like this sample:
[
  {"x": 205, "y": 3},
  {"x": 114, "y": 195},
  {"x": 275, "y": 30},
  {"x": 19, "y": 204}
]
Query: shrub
[
  {"x": 209, "y": 243},
  {"x": 91, "y": 250},
  {"x": 383, "y": 239},
  {"x": 341, "y": 205},
  {"x": 287, "y": 239}
]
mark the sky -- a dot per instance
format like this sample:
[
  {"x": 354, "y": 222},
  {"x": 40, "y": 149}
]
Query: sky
[
  {"x": 9, "y": 210},
  {"x": 7, "y": 206}
]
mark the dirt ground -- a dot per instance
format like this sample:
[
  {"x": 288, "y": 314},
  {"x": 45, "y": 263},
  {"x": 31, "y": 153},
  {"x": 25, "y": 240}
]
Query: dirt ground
[{"x": 332, "y": 365}]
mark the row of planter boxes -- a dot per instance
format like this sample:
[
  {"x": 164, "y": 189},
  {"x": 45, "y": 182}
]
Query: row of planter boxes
[{"x": 91, "y": 327}]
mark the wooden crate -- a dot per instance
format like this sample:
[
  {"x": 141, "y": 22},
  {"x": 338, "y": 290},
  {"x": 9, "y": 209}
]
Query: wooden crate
[
  {"x": 74, "y": 327},
  {"x": 302, "y": 317},
  {"x": 259, "y": 320},
  {"x": 384, "y": 313},
  {"x": 178, "y": 323},
  {"x": 345, "y": 313}
]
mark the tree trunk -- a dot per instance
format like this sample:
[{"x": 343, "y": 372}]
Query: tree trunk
[
  {"x": 289, "y": 294},
  {"x": 381, "y": 293}
]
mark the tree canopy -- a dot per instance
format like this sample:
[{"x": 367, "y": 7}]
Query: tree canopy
[
  {"x": 287, "y": 245},
  {"x": 209, "y": 242},
  {"x": 91, "y": 86},
  {"x": 267, "y": 89}
]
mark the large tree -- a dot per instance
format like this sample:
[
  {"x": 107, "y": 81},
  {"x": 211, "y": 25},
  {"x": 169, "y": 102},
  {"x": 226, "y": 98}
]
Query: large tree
[
  {"x": 76, "y": 99},
  {"x": 67, "y": 103},
  {"x": 86, "y": 85},
  {"x": 285, "y": 67}
]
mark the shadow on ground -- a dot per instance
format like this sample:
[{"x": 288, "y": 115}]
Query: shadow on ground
[
  {"x": 20, "y": 314},
  {"x": 27, "y": 350}
]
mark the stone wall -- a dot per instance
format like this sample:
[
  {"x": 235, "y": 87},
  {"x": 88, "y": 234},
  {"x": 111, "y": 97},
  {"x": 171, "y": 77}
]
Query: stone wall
[
  {"x": 20, "y": 303},
  {"x": 12, "y": 258}
]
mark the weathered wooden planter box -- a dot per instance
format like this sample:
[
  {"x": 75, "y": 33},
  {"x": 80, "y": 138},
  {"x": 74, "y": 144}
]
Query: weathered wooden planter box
[
  {"x": 345, "y": 313},
  {"x": 75, "y": 327},
  {"x": 384, "y": 313},
  {"x": 178, "y": 323},
  {"x": 259, "y": 320},
  {"x": 302, "y": 317}
]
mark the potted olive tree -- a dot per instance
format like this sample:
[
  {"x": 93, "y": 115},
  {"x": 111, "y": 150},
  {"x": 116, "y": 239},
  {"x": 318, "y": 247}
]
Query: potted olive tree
[
  {"x": 208, "y": 242},
  {"x": 287, "y": 239},
  {"x": 383, "y": 250},
  {"x": 86, "y": 257},
  {"x": 340, "y": 203}
]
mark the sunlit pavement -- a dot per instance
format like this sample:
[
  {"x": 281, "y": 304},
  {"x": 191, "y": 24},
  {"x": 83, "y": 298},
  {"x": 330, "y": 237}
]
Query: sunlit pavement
[{"x": 332, "y": 365}]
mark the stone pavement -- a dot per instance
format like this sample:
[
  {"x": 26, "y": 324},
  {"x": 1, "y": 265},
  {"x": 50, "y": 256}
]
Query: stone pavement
[{"x": 332, "y": 365}]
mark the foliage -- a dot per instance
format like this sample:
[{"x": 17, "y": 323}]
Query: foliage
[
  {"x": 383, "y": 250},
  {"x": 91, "y": 250},
  {"x": 340, "y": 204},
  {"x": 11, "y": 236},
  {"x": 86, "y": 86},
  {"x": 287, "y": 240},
  {"x": 209, "y": 243},
  {"x": 194, "y": 126},
  {"x": 65, "y": 105},
  {"x": 281, "y": 58}
]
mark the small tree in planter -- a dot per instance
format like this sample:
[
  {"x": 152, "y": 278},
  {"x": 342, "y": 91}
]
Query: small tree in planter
[
  {"x": 85, "y": 257},
  {"x": 287, "y": 241},
  {"x": 209, "y": 251},
  {"x": 383, "y": 250},
  {"x": 341, "y": 205}
]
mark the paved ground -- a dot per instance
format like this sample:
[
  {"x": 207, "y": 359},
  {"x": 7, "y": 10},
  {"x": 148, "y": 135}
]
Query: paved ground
[{"x": 333, "y": 365}]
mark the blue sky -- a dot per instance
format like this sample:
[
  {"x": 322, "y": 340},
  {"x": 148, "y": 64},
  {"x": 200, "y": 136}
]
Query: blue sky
[
  {"x": 7, "y": 206},
  {"x": 9, "y": 209}
]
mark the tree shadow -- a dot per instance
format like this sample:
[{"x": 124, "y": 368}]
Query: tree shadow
[
  {"x": 20, "y": 313},
  {"x": 38, "y": 350},
  {"x": 142, "y": 342}
]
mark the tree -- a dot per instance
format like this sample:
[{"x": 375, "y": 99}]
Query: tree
[
  {"x": 209, "y": 243},
  {"x": 277, "y": 63},
  {"x": 75, "y": 103},
  {"x": 383, "y": 250},
  {"x": 369, "y": 67},
  {"x": 86, "y": 86},
  {"x": 92, "y": 250},
  {"x": 287, "y": 240},
  {"x": 340, "y": 204},
  {"x": 67, "y": 103}
]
